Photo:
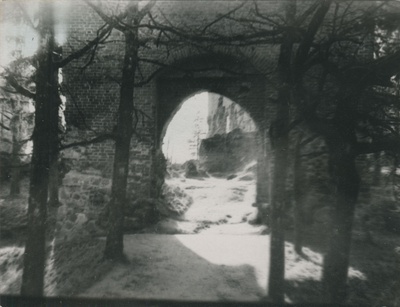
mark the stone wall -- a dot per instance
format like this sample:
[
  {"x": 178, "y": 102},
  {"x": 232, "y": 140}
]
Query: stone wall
[
  {"x": 17, "y": 119},
  {"x": 228, "y": 152},
  {"x": 224, "y": 115},
  {"x": 93, "y": 93},
  {"x": 83, "y": 197}
]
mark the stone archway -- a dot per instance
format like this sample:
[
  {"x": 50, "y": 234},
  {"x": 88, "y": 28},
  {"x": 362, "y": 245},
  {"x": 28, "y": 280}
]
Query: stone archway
[{"x": 219, "y": 75}]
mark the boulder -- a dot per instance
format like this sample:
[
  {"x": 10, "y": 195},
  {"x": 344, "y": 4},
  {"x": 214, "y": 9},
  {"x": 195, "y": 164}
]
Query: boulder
[{"x": 191, "y": 169}]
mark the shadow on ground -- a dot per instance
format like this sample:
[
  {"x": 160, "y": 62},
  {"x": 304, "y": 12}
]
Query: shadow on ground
[
  {"x": 186, "y": 267},
  {"x": 373, "y": 274}
]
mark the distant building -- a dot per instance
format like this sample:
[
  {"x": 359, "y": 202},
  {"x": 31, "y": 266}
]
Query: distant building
[{"x": 225, "y": 116}]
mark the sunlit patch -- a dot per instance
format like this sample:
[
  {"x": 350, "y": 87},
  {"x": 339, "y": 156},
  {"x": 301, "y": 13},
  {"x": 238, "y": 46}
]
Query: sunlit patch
[
  {"x": 356, "y": 274},
  {"x": 18, "y": 38},
  {"x": 233, "y": 250},
  {"x": 16, "y": 41},
  {"x": 11, "y": 263},
  {"x": 309, "y": 266},
  {"x": 187, "y": 126},
  {"x": 50, "y": 271}
]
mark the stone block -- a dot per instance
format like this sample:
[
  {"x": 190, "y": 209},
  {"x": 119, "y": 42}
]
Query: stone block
[
  {"x": 68, "y": 225},
  {"x": 64, "y": 193},
  {"x": 62, "y": 212},
  {"x": 81, "y": 219}
]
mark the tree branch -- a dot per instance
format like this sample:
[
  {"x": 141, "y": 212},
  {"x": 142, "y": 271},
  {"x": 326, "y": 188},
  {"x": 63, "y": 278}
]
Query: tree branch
[
  {"x": 216, "y": 39},
  {"x": 222, "y": 17},
  {"x": 7, "y": 90},
  {"x": 77, "y": 54},
  {"x": 19, "y": 88},
  {"x": 146, "y": 9},
  {"x": 386, "y": 144},
  {"x": 98, "y": 139},
  {"x": 112, "y": 21},
  {"x": 4, "y": 127},
  {"x": 313, "y": 27}
]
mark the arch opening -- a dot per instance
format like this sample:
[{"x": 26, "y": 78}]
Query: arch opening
[{"x": 211, "y": 148}]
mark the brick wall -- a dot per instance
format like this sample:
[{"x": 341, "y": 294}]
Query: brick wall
[{"x": 93, "y": 93}]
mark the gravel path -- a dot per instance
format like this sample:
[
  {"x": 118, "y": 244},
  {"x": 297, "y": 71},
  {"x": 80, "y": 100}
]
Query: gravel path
[
  {"x": 227, "y": 260},
  {"x": 189, "y": 267}
]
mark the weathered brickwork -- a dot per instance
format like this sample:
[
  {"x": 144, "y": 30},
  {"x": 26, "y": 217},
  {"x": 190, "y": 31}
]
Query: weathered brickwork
[
  {"x": 83, "y": 197},
  {"x": 246, "y": 75},
  {"x": 93, "y": 93}
]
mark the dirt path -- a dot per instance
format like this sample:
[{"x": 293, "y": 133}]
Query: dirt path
[
  {"x": 226, "y": 260},
  {"x": 220, "y": 206},
  {"x": 188, "y": 267}
]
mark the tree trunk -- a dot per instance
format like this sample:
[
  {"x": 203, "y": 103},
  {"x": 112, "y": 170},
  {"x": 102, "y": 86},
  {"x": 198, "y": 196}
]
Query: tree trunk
[
  {"x": 43, "y": 136},
  {"x": 376, "y": 178},
  {"x": 298, "y": 198},
  {"x": 280, "y": 143},
  {"x": 54, "y": 180},
  {"x": 15, "y": 165},
  {"x": 262, "y": 169},
  {"x": 114, "y": 243},
  {"x": 279, "y": 135},
  {"x": 346, "y": 180}
]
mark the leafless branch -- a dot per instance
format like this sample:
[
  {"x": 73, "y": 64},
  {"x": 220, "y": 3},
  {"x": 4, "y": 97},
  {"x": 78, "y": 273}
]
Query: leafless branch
[
  {"x": 111, "y": 21},
  {"x": 26, "y": 15},
  {"x": 4, "y": 127},
  {"x": 146, "y": 9},
  {"x": 103, "y": 34},
  {"x": 19, "y": 88},
  {"x": 97, "y": 139},
  {"x": 222, "y": 17},
  {"x": 385, "y": 144},
  {"x": 308, "y": 38},
  {"x": 8, "y": 90},
  {"x": 311, "y": 155}
]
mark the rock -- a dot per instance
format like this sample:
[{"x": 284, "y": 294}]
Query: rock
[
  {"x": 91, "y": 226},
  {"x": 261, "y": 215},
  {"x": 98, "y": 197},
  {"x": 68, "y": 225},
  {"x": 62, "y": 212},
  {"x": 132, "y": 223},
  {"x": 169, "y": 226},
  {"x": 81, "y": 219},
  {"x": 63, "y": 193},
  {"x": 252, "y": 167},
  {"x": 175, "y": 201},
  {"x": 191, "y": 169},
  {"x": 91, "y": 171},
  {"x": 247, "y": 177},
  {"x": 144, "y": 209},
  {"x": 71, "y": 216}
]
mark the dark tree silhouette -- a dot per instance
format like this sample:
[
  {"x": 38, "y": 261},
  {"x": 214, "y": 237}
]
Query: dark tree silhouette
[
  {"x": 332, "y": 78},
  {"x": 129, "y": 26},
  {"x": 46, "y": 143}
]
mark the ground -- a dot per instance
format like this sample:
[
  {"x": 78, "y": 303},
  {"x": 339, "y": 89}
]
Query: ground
[{"x": 212, "y": 253}]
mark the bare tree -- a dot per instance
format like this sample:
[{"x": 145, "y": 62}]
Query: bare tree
[
  {"x": 46, "y": 143},
  {"x": 142, "y": 31},
  {"x": 329, "y": 73}
]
